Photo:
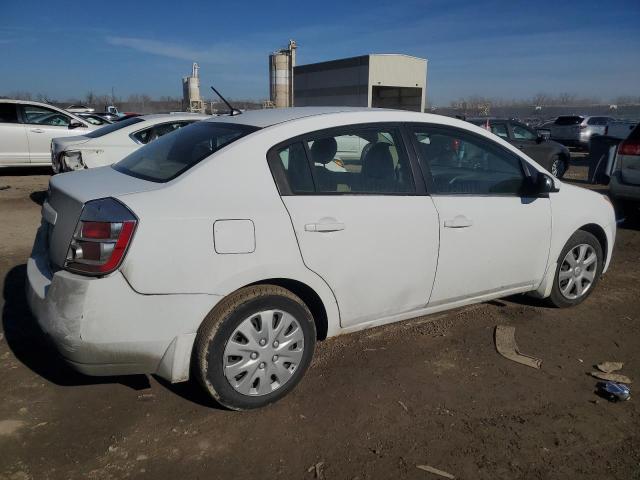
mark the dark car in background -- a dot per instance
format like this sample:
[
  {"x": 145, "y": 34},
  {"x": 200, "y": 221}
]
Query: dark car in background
[{"x": 551, "y": 155}]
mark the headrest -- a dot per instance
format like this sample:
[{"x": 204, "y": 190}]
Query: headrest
[
  {"x": 324, "y": 150},
  {"x": 378, "y": 162}
]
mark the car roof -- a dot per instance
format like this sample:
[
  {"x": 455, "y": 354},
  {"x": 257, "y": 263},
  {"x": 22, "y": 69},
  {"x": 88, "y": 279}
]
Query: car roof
[
  {"x": 173, "y": 116},
  {"x": 491, "y": 119},
  {"x": 273, "y": 116}
]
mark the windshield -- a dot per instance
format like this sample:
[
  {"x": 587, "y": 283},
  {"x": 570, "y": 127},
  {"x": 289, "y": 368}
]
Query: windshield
[
  {"x": 174, "y": 153},
  {"x": 102, "y": 131}
]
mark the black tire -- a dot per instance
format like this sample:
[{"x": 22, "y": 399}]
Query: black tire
[
  {"x": 580, "y": 237},
  {"x": 557, "y": 164},
  {"x": 625, "y": 209},
  {"x": 219, "y": 325}
]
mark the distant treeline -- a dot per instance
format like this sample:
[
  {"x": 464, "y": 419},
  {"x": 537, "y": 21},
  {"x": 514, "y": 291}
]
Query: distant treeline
[{"x": 134, "y": 103}]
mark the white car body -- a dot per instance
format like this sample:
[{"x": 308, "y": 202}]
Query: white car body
[
  {"x": 25, "y": 139},
  {"x": 104, "y": 147},
  {"x": 366, "y": 259}
]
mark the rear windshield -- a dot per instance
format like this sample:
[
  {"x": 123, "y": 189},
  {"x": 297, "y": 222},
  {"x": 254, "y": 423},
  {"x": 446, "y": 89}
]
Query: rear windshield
[
  {"x": 102, "y": 131},
  {"x": 174, "y": 153},
  {"x": 569, "y": 120}
]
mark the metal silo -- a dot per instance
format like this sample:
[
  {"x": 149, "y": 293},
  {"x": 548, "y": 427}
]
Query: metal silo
[
  {"x": 281, "y": 63},
  {"x": 191, "y": 101}
]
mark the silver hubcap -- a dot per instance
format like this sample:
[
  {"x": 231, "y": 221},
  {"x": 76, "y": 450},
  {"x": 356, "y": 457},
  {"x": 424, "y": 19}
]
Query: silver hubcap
[
  {"x": 263, "y": 353},
  {"x": 555, "y": 168},
  {"x": 578, "y": 271}
]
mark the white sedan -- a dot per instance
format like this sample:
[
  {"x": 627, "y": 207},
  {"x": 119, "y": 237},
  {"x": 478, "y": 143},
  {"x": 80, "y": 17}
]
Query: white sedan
[
  {"x": 227, "y": 249},
  {"x": 113, "y": 142},
  {"x": 27, "y": 128}
]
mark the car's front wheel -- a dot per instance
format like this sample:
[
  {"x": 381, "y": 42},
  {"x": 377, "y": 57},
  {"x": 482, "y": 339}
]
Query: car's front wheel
[
  {"x": 557, "y": 167},
  {"x": 254, "y": 347},
  {"x": 579, "y": 268}
]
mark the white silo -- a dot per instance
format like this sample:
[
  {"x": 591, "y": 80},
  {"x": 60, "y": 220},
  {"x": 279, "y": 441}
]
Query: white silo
[
  {"x": 191, "y": 101},
  {"x": 281, "y": 63}
]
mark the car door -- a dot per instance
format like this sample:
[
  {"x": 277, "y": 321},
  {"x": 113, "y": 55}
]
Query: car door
[
  {"x": 44, "y": 124},
  {"x": 526, "y": 139},
  {"x": 368, "y": 228},
  {"x": 493, "y": 240},
  {"x": 14, "y": 146}
]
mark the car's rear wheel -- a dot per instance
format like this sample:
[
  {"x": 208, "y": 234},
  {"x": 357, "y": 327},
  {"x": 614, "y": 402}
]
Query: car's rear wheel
[
  {"x": 579, "y": 268},
  {"x": 254, "y": 347}
]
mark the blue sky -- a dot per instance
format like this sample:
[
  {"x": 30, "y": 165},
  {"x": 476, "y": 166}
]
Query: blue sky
[{"x": 500, "y": 49}]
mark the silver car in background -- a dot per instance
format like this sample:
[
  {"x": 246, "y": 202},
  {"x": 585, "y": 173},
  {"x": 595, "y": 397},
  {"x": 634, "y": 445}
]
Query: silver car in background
[{"x": 577, "y": 130}]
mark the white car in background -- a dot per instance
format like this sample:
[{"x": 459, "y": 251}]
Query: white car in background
[
  {"x": 27, "y": 128},
  {"x": 80, "y": 109},
  {"x": 227, "y": 248},
  {"x": 113, "y": 142}
]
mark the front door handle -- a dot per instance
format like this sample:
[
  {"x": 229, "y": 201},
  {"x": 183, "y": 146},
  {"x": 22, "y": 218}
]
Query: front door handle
[
  {"x": 324, "y": 227},
  {"x": 37, "y": 130},
  {"x": 459, "y": 221}
]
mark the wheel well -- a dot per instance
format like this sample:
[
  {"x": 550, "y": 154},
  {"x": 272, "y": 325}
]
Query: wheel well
[
  {"x": 309, "y": 297},
  {"x": 598, "y": 232}
]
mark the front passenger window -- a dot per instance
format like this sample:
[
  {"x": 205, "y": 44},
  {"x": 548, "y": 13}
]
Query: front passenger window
[
  {"x": 463, "y": 164},
  {"x": 522, "y": 133},
  {"x": 36, "y": 115}
]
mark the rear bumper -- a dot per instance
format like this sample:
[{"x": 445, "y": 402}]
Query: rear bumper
[
  {"x": 621, "y": 190},
  {"x": 101, "y": 326}
]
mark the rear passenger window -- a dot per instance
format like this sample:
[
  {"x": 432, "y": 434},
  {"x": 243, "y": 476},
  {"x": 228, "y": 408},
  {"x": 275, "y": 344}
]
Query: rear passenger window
[
  {"x": 293, "y": 160},
  {"x": 150, "y": 134},
  {"x": 8, "y": 113},
  {"x": 465, "y": 164},
  {"x": 360, "y": 161}
]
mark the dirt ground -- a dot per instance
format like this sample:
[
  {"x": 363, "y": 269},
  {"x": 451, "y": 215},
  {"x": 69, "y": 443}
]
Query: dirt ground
[{"x": 430, "y": 391}]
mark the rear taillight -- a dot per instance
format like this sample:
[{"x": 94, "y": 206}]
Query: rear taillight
[
  {"x": 629, "y": 147},
  {"x": 101, "y": 238}
]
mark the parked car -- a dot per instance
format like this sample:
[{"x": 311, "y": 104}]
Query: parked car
[
  {"x": 577, "y": 130},
  {"x": 80, "y": 109},
  {"x": 620, "y": 128},
  {"x": 113, "y": 142},
  {"x": 203, "y": 252},
  {"x": 551, "y": 155},
  {"x": 95, "y": 118},
  {"x": 544, "y": 129},
  {"x": 624, "y": 185},
  {"x": 27, "y": 128}
]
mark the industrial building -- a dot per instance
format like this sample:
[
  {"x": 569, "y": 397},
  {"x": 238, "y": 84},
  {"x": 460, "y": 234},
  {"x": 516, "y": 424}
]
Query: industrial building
[{"x": 383, "y": 81}]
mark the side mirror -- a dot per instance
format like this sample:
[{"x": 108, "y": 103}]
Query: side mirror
[
  {"x": 74, "y": 124},
  {"x": 544, "y": 184}
]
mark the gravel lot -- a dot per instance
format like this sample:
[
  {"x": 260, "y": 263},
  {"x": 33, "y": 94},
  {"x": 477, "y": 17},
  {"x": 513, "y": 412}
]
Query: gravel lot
[{"x": 430, "y": 391}]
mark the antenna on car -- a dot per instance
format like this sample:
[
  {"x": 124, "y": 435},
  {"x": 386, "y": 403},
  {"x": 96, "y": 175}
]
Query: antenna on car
[{"x": 232, "y": 111}]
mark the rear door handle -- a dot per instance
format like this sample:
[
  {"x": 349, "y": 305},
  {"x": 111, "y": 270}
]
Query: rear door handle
[
  {"x": 324, "y": 227},
  {"x": 459, "y": 221},
  {"x": 37, "y": 130}
]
